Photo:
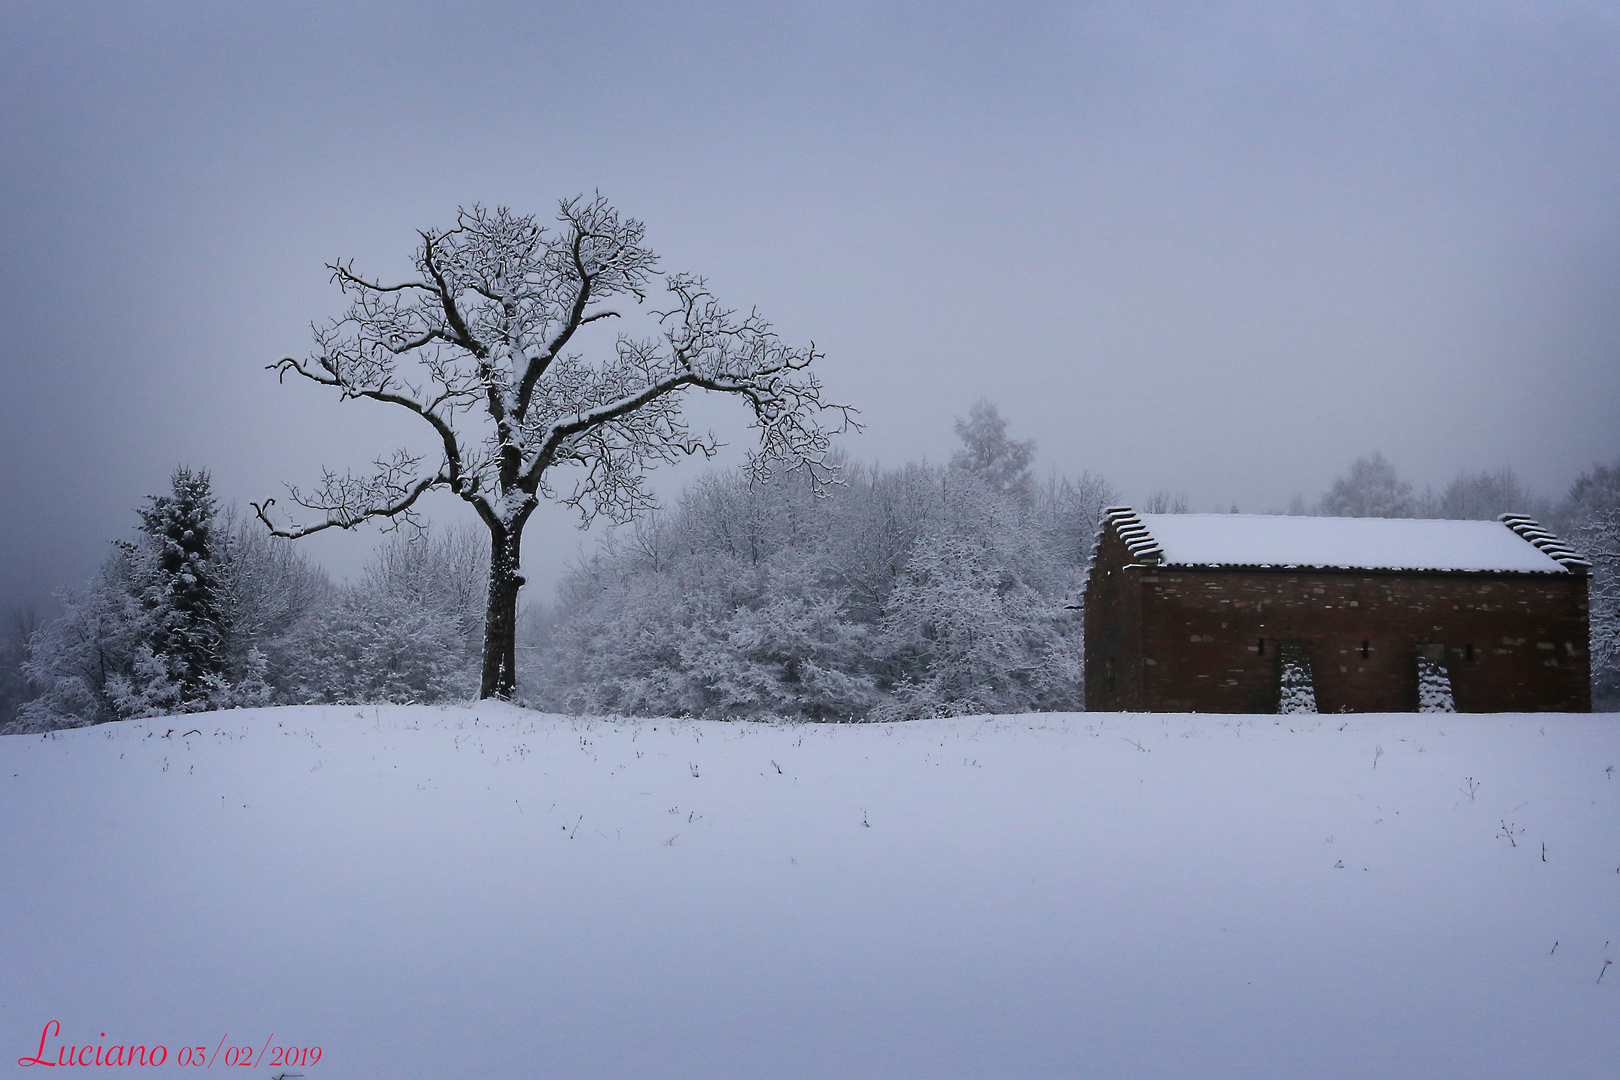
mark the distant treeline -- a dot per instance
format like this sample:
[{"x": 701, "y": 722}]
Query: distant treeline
[{"x": 924, "y": 590}]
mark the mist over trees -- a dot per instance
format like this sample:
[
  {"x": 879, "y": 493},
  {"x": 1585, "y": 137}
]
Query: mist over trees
[
  {"x": 1370, "y": 489},
  {"x": 407, "y": 631},
  {"x": 999, "y": 463},
  {"x": 1164, "y": 502},
  {"x": 1374, "y": 488}
]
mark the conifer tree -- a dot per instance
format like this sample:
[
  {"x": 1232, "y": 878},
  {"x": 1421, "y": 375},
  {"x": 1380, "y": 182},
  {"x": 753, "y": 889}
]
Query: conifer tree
[
  {"x": 146, "y": 636},
  {"x": 179, "y": 665},
  {"x": 183, "y": 590}
]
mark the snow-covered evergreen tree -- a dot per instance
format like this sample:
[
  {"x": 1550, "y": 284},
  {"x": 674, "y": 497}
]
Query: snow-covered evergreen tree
[
  {"x": 145, "y": 636},
  {"x": 180, "y": 658},
  {"x": 184, "y": 618}
]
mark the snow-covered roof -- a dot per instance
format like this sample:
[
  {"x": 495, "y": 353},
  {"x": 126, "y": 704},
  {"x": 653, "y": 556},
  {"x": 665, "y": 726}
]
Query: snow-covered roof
[{"x": 1514, "y": 544}]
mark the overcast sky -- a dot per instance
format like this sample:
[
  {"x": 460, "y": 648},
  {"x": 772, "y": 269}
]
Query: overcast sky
[{"x": 1220, "y": 249}]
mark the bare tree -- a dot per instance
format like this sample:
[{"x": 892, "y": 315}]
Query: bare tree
[
  {"x": 1373, "y": 489},
  {"x": 987, "y": 453},
  {"x": 477, "y": 345},
  {"x": 1482, "y": 496},
  {"x": 1163, "y": 502}
]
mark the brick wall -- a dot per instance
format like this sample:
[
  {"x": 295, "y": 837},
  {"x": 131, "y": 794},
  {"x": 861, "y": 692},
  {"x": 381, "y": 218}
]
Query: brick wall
[{"x": 1165, "y": 640}]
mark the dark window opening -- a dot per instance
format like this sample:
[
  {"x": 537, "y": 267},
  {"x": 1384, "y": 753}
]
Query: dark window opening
[
  {"x": 1262, "y": 646},
  {"x": 1366, "y": 648},
  {"x": 1468, "y": 653}
]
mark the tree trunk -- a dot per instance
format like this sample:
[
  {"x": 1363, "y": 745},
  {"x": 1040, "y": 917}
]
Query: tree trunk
[{"x": 500, "y": 618}]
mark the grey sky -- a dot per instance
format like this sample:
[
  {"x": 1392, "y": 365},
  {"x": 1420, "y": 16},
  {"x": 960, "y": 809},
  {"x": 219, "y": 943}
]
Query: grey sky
[{"x": 1221, "y": 249}]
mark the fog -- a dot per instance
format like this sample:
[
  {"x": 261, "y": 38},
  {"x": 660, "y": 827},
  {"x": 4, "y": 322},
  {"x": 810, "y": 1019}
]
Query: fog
[{"x": 1220, "y": 250}]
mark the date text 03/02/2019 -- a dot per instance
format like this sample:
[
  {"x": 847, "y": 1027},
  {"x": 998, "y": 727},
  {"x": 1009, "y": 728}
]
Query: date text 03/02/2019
[{"x": 63, "y": 1054}]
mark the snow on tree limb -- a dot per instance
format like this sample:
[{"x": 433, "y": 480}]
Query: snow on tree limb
[
  {"x": 348, "y": 500},
  {"x": 480, "y": 344},
  {"x": 485, "y": 330}
]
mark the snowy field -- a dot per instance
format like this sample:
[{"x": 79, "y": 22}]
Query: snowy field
[{"x": 459, "y": 892}]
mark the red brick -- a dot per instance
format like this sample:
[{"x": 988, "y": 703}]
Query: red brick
[{"x": 1162, "y": 639}]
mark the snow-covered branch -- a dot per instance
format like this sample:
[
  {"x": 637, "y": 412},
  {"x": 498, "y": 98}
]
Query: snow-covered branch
[
  {"x": 483, "y": 345},
  {"x": 617, "y": 419},
  {"x": 345, "y": 501}
]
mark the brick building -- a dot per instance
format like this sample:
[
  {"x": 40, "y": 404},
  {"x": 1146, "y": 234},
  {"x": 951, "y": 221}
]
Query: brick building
[{"x": 1217, "y": 612}]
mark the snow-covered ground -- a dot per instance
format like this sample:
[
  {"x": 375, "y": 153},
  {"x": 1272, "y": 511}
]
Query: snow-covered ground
[{"x": 447, "y": 892}]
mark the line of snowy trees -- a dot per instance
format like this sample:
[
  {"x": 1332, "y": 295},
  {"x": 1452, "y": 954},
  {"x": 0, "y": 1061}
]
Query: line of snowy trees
[
  {"x": 916, "y": 591},
  {"x": 207, "y": 611}
]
